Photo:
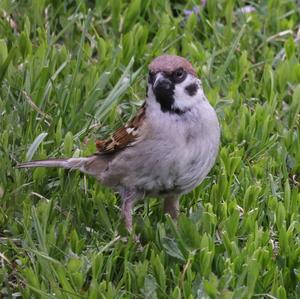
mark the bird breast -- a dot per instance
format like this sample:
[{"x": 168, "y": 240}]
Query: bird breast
[{"x": 174, "y": 157}]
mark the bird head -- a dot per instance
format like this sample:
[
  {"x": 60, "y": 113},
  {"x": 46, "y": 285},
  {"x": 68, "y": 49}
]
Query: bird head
[{"x": 173, "y": 84}]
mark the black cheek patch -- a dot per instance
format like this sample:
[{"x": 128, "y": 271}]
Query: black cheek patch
[{"x": 191, "y": 89}]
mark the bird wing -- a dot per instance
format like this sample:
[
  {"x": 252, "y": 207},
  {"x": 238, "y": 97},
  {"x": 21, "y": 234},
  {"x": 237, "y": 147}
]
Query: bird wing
[{"x": 124, "y": 136}]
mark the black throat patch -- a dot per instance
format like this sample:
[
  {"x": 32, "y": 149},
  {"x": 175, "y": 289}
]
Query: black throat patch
[
  {"x": 165, "y": 97},
  {"x": 166, "y": 100}
]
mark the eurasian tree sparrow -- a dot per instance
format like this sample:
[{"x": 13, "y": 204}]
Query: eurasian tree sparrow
[{"x": 166, "y": 150}]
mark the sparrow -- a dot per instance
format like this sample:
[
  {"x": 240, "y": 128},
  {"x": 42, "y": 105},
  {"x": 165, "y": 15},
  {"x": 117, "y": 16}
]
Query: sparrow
[{"x": 165, "y": 151}]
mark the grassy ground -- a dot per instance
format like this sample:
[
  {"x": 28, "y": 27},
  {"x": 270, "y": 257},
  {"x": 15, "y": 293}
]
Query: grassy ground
[{"x": 71, "y": 72}]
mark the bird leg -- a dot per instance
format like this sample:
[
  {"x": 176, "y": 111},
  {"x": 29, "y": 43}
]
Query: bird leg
[
  {"x": 129, "y": 198},
  {"x": 171, "y": 206}
]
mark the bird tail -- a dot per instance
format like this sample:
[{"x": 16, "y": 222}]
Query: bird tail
[{"x": 70, "y": 163}]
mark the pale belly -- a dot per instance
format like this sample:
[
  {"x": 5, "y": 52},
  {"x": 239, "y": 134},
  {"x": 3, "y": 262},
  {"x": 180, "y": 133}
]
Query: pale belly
[{"x": 172, "y": 170}]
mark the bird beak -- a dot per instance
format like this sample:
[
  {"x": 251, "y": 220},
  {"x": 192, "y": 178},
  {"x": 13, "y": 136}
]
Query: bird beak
[
  {"x": 161, "y": 82},
  {"x": 158, "y": 77}
]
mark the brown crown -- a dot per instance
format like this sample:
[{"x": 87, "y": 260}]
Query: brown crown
[{"x": 170, "y": 63}]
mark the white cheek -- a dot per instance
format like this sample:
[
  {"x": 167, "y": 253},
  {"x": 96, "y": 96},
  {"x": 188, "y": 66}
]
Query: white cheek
[
  {"x": 182, "y": 99},
  {"x": 150, "y": 93}
]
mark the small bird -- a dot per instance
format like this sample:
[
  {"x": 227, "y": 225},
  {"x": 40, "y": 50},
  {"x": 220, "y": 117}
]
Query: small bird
[{"x": 166, "y": 150}]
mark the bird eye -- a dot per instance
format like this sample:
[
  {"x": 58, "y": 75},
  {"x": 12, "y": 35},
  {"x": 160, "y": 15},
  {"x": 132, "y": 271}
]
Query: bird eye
[{"x": 179, "y": 75}]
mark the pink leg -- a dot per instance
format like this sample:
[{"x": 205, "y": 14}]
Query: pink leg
[
  {"x": 128, "y": 198},
  {"x": 171, "y": 206}
]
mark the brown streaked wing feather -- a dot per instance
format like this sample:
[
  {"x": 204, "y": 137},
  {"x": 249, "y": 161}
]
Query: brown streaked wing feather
[{"x": 123, "y": 136}]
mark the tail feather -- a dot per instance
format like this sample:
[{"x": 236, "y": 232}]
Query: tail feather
[{"x": 71, "y": 163}]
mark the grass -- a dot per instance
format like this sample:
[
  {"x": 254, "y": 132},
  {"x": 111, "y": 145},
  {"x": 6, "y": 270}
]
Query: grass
[{"x": 71, "y": 72}]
